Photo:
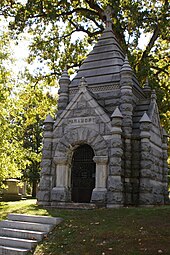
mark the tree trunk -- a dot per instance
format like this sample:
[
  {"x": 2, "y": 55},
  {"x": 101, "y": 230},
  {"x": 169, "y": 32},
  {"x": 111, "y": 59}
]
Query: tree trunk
[{"x": 34, "y": 189}]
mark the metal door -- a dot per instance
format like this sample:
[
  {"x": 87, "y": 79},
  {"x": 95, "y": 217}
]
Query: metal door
[{"x": 83, "y": 174}]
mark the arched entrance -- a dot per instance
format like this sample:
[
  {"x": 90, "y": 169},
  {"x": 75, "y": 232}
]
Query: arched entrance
[{"x": 83, "y": 174}]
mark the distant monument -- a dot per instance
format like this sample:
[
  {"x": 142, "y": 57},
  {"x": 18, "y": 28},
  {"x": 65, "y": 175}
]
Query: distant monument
[{"x": 106, "y": 146}]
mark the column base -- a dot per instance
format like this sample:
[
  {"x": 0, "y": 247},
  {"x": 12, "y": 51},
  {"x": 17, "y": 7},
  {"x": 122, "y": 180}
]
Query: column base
[
  {"x": 99, "y": 196},
  {"x": 60, "y": 194}
]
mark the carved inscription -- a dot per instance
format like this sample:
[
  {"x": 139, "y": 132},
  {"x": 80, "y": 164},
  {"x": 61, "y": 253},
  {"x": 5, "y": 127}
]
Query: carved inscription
[{"x": 81, "y": 120}]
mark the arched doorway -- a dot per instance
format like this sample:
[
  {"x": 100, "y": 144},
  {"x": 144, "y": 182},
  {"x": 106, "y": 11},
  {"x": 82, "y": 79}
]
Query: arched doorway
[{"x": 83, "y": 174}]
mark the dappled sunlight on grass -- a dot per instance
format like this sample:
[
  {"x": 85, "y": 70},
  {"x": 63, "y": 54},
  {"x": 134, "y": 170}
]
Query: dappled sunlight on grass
[
  {"x": 124, "y": 231},
  {"x": 24, "y": 206}
]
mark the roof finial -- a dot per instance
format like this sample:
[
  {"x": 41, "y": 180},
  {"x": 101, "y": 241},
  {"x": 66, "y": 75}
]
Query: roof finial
[
  {"x": 126, "y": 66},
  {"x": 147, "y": 88},
  {"x": 83, "y": 83},
  {"x": 153, "y": 95},
  {"x": 108, "y": 14}
]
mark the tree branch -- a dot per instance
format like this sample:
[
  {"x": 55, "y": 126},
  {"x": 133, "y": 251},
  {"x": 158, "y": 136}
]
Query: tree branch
[
  {"x": 151, "y": 43},
  {"x": 81, "y": 28},
  {"x": 159, "y": 70},
  {"x": 155, "y": 34}
]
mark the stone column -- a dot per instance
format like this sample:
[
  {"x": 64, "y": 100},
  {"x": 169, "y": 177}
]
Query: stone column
[
  {"x": 99, "y": 192},
  {"x": 126, "y": 108},
  {"x": 45, "y": 185},
  {"x": 61, "y": 192},
  {"x": 165, "y": 166},
  {"x": 115, "y": 185},
  {"x": 145, "y": 195}
]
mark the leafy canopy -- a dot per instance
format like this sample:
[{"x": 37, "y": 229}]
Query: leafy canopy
[{"x": 63, "y": 32}]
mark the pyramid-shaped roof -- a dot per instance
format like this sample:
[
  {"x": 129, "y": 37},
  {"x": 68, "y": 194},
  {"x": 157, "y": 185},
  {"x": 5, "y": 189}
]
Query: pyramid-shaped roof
[{"x": 103, "y": 64}]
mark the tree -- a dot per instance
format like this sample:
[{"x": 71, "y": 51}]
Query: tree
[
  {"x": 54, "y": 24},
  {"x": 24, "y": 105},
  {"x": 33, "y": 103},
  {"x": 11, "y": 153}
]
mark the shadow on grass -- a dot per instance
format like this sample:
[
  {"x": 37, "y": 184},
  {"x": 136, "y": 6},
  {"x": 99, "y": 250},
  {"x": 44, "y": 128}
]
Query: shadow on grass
[{"x": 130, "y": 231}]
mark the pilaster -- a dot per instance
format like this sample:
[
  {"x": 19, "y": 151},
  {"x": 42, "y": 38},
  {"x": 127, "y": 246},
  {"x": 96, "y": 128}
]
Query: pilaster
[
  {"x": 145, "y": 195},
  {"x": 45, "y": 184},
  {"x": 126, "y": 108},
  {"x": 99, "y": 192},
  {"x": 63, "y": 92},
  {"x": 165, "y": 166},
  {"x": 115, "y": 184},
  {"x": 61, "y": 191}
]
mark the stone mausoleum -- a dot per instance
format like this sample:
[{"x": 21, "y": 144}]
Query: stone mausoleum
[{"x": 106, "y": 145}]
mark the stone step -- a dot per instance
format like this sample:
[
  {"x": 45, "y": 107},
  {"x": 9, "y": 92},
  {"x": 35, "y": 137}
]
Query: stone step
[
  {"x": 24, "y": 234},
  {"x": 26, "y": 225},
  {"x": 83, "y": 206},
  {"x": 5, "y": 250},
  {"x": 35, "y": 218},
  {"x": 20, "y": 233},
  {"x": 17, "y": 242}
]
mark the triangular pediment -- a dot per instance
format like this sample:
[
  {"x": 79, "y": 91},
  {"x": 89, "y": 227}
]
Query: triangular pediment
[{"x": 83, "y": 109}]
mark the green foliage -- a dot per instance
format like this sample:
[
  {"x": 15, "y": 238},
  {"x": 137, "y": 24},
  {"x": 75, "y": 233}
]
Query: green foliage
[
  {"x": 11, "y": 155},
  {"x": 32, "y": 103},
  {"x": 23, "y": 107},
  {"x": 55, "y": 25},
  {"x": 62, "y": 34}
]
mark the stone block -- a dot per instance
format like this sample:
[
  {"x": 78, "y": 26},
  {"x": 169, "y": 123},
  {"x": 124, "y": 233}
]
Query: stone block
[
  {"x": 114, "y": 198},
  {"x": 115, "y": 170},
  {"x": 34, "y": 218},
  {"x": 43, "y": 195},
  {"x": 45, "y": 182},
  {"x": 117, "y": 152},
  {"x": 147, "y": 173},
  {"x": 158, "y": 199},
  {"x": 146, "y": 199},
  {"x": 80, "y": 112},
  {"x": 99, "y": 195},
  {"x": 114, "y": 183},
  {"x": 101, "y": 152},
  {"x": 100, "y": 145},
  {"x": 102, "y": 128},
  {"x": 47, "y": 134},
  {"x": 146, "y": 164},
  {"x": 115, "y": 161},
  {"x": 82, "y": 104},
  {"x": 127, "y": 107},
  {"x": 45, "y": 171},
  {"x": 47, "y": 145},
  {"x": 116, "y": 143},
  {"x": 145, "y": 185},
  {"x": 46, "y": 163},
  {"x": 60, "y": 194},
  {"x": 46, "y": 154},
  {"x": 58, "y": 132}
]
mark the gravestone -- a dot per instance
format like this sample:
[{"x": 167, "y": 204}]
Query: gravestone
[{"x": 11, "y": 193}]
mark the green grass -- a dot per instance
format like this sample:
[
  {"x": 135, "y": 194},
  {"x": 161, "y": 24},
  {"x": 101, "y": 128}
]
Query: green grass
[{"x": 130, "y": 231}]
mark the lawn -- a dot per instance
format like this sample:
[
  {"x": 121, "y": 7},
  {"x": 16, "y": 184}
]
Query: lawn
[{"x": 130, "y": 231}]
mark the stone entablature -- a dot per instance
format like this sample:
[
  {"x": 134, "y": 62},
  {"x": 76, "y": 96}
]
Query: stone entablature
[{"x": 110, "y": 113}]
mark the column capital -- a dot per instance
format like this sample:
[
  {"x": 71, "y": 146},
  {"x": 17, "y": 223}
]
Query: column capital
[
  {"x": 100, "y": 159},
  {"x": 60, "y": 160}
]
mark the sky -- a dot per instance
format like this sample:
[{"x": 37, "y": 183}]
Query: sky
[{"x": 21, "y": 51}]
